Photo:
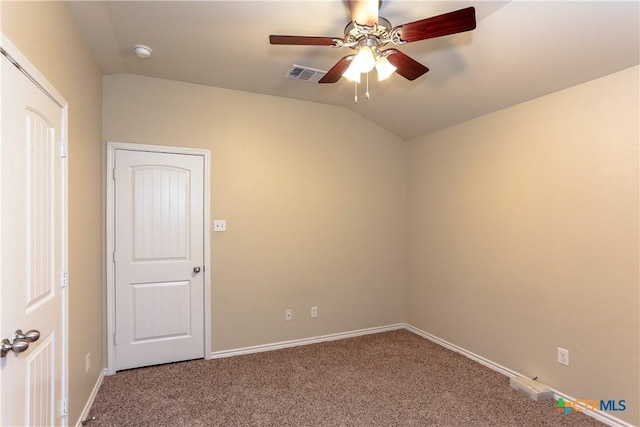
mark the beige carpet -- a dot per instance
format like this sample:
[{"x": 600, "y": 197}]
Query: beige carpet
[{"x": 387, "y": 379}]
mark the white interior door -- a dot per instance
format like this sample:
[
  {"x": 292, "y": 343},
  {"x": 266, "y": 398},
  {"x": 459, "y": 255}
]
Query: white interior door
[
  {"x": 159, "y": 258},
  {"x": 33, "y": 252}
]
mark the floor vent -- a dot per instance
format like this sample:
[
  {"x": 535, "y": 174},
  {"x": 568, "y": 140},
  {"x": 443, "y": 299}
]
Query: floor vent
[
  {"x": 299, "y": 72},
  {"x": 533, "y": 389}
]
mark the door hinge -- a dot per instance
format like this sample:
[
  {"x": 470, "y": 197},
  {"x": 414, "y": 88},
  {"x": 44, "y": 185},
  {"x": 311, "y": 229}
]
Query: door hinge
[
  {"x": 64, "y": 148},
  {"x": 62, "y": 408},
  {"x": 114, "y": 339},
  {"x": 114, "y": 257},
  {"x": 113, "y": 176},
  {"x": 65, "y": 279}
]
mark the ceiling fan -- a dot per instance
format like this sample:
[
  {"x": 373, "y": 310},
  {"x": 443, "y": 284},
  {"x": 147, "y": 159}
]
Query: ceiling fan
[{"x": 368, "y": 33}]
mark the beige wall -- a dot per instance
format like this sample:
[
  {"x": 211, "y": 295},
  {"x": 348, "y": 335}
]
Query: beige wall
[
  {"x": 523, "y": 237},
  {"x": 45, "y": 33},
  {"x": 313, "y": 195}
]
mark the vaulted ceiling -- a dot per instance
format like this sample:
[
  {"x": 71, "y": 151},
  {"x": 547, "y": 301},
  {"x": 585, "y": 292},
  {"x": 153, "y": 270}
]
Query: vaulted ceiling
[{"x": 520, "y": 50}]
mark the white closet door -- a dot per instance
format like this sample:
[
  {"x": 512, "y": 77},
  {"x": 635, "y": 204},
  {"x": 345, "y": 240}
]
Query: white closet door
[{"x": 159, "y": 258}]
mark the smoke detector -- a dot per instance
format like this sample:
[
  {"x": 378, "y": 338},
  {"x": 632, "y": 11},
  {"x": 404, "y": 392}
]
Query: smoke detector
[{"x": 142, "y": 51}]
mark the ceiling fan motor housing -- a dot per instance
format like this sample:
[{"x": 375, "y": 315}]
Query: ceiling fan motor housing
[{"x": 378, "y": 34}]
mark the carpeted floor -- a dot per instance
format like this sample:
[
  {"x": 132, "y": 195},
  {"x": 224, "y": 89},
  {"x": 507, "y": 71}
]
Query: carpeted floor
[{"x": 388, "y": 379}]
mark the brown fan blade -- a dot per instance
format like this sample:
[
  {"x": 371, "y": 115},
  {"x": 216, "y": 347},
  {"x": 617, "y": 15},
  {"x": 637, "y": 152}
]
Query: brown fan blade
[
  {"x": 303, "y": 40},
  {"x": 364, "y": 12},
  {"x": 334, "y": 74},
  {"x": 407, "y": 67},
  {"x": 437, "y": 26}
]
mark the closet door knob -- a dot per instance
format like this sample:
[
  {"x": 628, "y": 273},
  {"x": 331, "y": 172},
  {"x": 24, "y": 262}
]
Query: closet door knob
[{"x": 19, "y": 342}]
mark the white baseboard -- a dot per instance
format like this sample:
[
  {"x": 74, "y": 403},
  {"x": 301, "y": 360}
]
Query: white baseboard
[
  {"x": 87, "y": 407},
  {"x": 304, "y": 341},
  {"x": 601, "y": 416},
  {"x": 481, "y": 360}
]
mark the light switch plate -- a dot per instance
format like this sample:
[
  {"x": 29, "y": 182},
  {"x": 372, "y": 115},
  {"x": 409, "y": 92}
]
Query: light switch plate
[{"x": 219, "y": 225}]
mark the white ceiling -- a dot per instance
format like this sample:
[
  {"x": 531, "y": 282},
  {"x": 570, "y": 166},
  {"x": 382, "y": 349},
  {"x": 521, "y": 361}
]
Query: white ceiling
[{"x": 520, "y": 50}]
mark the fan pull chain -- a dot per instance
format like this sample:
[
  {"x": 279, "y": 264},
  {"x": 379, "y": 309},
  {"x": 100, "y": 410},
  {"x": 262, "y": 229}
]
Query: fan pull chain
[
  {"x": 355, "y": 98},
  {"x": 367, "y": 92}
]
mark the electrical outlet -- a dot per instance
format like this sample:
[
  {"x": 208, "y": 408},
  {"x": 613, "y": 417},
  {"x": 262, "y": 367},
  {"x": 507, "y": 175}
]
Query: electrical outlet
[
  {"x": 288, "y": 314},
  {"x": 87, "y": 362},
  {"x": 563, "y": 356},
  {"x": 314, "y": 311}
]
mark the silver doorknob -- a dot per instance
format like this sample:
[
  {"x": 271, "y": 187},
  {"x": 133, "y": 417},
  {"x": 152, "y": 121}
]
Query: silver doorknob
[
  {"x": 19, "y": 343},
  {"x": 29, "y": 336},
  {"x": 196, "y": 270},
  {"x": 18, "y": 346}
]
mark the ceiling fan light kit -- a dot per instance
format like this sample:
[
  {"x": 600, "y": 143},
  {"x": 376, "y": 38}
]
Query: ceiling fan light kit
[
  {"x": 368, "y": 40},
  {"x": 364, "y": 60}
]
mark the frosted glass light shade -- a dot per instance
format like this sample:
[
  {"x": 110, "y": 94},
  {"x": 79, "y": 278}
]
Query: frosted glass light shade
[
  {"x": 384, "y": 68},
  {"x": 364, "y": 60},
  {"x": 352, "y": 73}
]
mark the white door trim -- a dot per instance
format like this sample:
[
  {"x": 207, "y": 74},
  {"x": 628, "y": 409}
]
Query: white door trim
[
  {"x": 34, "y": 75},
  {"x": 110, "y": 240},
  {"x": 28, "y": 69}
]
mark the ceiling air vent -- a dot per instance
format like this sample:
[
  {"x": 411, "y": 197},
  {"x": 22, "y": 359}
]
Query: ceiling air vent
[{"x": 299, "y": 72}]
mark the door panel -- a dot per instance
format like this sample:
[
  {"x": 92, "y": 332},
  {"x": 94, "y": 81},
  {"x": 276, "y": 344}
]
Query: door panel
[
  {"x": 161, "y": 310},
  {"x": 40, "y": 404},
  {"x": 159, "y": 223},
  {"x": 161, "y": 213},
  {"x": 33, "y": 251}
]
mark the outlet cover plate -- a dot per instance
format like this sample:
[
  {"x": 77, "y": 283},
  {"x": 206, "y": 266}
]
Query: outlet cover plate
[{"x": 563, "y": 356}]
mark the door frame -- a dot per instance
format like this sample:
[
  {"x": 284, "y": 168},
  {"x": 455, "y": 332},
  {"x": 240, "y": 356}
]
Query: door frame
[
  {"x": 112, "y": 147},
  {"x": 14, "y": 55}
]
